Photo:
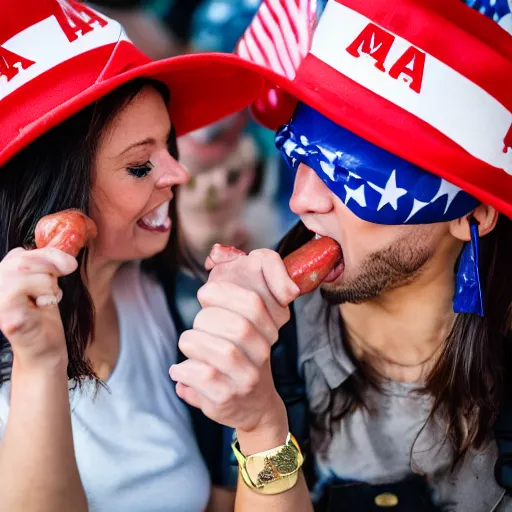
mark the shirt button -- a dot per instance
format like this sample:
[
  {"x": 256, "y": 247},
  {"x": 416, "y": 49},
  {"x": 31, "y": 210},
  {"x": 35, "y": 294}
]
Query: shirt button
[{"x": 386, "y": 500}]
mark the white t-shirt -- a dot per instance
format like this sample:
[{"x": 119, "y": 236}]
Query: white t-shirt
[{"x": 134, "y": 444}]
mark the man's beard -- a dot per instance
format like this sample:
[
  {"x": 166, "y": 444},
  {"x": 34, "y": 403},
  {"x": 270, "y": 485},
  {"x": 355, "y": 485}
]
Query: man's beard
[{"x": 383, "y": 270}]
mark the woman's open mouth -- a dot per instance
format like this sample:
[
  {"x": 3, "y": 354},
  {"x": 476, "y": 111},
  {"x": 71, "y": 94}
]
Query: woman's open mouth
[{"x": 157, "y": 220}]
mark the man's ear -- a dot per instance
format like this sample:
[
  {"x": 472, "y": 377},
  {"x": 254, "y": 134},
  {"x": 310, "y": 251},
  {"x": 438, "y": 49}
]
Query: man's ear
[{"x": 486, "y": 217}]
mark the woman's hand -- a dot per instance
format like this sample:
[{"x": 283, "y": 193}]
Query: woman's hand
[
  {"x": 228, "y": 375},
  {"x": 34, "y": 331}
]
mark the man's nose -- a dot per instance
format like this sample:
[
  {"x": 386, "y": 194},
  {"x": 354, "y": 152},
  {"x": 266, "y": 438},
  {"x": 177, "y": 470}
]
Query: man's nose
[{"x": 310, "y": 194}]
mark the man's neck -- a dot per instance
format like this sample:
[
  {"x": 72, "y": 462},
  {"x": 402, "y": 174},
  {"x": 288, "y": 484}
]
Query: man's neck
[{"x": 401, "y": 333}]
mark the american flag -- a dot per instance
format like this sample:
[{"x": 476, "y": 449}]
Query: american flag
[{"x": 279, "y": 37}]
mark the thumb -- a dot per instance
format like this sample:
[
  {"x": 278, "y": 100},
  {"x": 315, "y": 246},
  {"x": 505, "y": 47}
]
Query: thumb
[{"x": 222, "y": 254}]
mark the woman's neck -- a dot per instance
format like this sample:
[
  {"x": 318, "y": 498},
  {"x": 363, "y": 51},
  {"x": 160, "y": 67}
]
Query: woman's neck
[
  {"x": 401, "y": 333},
  {"x": 103, "y": 350},
  {"x": 100, "y": 276}
]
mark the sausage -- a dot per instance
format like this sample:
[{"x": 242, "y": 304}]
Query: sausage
[
  {"x": 310, "y": 264},
  {"x": 68, "y": 230}
]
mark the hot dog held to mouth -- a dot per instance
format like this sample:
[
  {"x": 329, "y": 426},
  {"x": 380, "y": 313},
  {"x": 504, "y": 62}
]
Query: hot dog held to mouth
[
  {"x": 318, "y": 261},
  {"x": 227, "y": 373}
]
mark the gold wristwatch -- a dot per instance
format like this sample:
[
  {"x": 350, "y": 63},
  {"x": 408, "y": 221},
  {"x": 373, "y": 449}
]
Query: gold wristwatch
[{"x": 273, "y": 471}]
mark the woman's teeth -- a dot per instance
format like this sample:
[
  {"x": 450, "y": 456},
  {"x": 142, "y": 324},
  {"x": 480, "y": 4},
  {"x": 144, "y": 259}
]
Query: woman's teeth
[
  {"x": 157, "y": 219},
  {"x": 317, "y": 236}
]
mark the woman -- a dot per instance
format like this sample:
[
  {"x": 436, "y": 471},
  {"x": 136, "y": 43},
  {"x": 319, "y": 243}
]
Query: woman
[{"x": 89, "y": 419}]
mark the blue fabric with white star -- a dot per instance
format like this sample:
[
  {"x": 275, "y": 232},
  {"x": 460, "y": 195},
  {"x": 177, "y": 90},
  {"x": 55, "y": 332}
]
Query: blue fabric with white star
[
  {"x": 374, "y": 184},
  {"x": 382, "y": 188},
  {"x": 499, "y": 11}
]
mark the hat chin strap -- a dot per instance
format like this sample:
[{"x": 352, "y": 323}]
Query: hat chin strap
[{"x": 468, "y": 290}]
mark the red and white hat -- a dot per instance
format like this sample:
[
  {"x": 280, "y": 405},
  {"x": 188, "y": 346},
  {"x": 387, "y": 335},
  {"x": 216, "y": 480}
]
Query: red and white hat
[
  {"x": 57, "y": 56},
  {"x": 427, "y": 80}
]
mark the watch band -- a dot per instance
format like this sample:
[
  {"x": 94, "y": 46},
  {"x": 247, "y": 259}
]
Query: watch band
[{"x": 273, "y": 471}]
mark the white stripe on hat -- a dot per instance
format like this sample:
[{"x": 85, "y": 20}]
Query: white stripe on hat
[
  {"x": 54, "y": 48},
  {"x": 447, "y": 100}
]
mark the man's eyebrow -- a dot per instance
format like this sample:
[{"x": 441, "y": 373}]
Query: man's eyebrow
[{"x": 145, "y": 142}]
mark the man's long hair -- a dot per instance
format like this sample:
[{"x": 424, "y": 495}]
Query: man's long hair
[{"x": 468, "y": 382}]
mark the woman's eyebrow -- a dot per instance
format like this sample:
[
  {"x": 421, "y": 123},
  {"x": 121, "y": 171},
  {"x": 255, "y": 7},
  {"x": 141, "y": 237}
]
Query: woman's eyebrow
[
  {"x": 145, "y": 142},
  {"x": 149, "y": 141}
]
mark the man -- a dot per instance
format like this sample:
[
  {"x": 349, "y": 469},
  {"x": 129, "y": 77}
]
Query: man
[{"x": 401, "y": 141}]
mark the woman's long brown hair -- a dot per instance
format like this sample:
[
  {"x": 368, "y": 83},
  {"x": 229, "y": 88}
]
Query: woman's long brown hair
[{"x": 55, "y": 173}]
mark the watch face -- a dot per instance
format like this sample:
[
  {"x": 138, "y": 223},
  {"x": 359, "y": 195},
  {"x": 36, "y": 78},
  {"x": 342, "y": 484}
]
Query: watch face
[{"x": 275, "y": 464}]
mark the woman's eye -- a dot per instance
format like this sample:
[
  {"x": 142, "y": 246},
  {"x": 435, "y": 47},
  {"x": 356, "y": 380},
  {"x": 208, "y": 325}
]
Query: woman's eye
[{"x": 139, "y": 171}]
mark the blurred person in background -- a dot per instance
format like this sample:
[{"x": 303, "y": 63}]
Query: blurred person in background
[
  {"x": 218, "y": 25},
  {"x": 226, "y": 173}
]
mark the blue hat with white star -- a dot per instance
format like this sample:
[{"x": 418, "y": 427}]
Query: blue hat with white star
[{"x": 374, "y": 184}]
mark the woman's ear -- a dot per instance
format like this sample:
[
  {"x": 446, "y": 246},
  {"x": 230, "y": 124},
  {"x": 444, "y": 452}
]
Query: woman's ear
[{"x": 486, "y": 217}]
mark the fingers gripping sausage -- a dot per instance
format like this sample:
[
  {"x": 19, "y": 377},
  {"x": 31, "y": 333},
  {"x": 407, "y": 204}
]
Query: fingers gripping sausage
[{"x": 308, "y": 266}]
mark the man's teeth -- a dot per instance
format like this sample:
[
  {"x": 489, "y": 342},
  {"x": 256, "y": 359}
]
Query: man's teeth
[{"x": 157, "y": 217}]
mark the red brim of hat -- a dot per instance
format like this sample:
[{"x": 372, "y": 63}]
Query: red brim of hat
[
  {"x": 382, "y": 123},
  {"x": 203, "y": 89}
]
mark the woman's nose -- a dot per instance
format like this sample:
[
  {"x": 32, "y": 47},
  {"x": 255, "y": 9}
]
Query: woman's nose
[
  {"x": 171, "y": 173},
  {"x": 310, "y": 194}
]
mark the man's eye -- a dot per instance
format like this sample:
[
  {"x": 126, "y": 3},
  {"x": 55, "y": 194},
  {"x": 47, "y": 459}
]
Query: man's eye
[{"x": 139, "y": 171}]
